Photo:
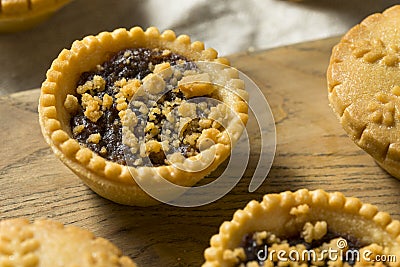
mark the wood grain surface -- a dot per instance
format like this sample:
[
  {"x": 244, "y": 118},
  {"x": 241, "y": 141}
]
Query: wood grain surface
[{"x": 312, "y": 152}]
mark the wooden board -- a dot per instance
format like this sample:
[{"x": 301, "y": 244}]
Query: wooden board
[{"x": 312, "y": 152}]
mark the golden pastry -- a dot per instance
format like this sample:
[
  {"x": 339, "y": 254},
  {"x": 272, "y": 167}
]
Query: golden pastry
[
  {"x": 364, "y": 86},
  {"x": 306, "y": 228},
  {"x": 134, "y": 98},
  {"x": 46, "y": 243},
  {"x": 17, "y": 15}
]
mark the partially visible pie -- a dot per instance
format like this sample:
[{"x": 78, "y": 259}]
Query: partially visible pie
[
  {"x": 142, "y": 104},
  {"x": 46, "y": 243},
  {"x": 364, "y": 86},
  {"x": 306, "y": 228},
  {"x": 16, "y": 15}
]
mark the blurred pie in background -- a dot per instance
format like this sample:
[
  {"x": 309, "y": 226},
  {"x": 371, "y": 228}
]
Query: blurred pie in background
[{"x": 17, "y": 15}]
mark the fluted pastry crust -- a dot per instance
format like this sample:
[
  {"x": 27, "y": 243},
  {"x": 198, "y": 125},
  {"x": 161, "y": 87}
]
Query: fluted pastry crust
[
  {"x": 107, "y": 178},
  {"x": 344, "y": 215},
  {"x": 48, "y": 243}
]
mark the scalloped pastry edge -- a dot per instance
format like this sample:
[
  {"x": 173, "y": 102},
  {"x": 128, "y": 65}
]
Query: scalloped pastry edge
[
  {"x": 109, "y": 179},
  {"x": 273, "y": 212}
]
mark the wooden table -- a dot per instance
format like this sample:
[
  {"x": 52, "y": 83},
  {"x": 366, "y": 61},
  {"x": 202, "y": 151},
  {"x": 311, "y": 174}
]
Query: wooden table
[{"x": 312, "y": 152}]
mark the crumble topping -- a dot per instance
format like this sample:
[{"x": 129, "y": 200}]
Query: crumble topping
[
  {"x": 107, "y": 102},
  {"x": 196, "y": 85},
  {"x": 314, "y": 232},
  {"x": 102, "y": 97},
  {"x": 91, "y": 105},
  {"x": 78, "y": 129},
  {"x": 147, "y": 107},
  {"x": 71, "y": 104},
  {"x": 310, "y": 248},
  {"x": 300, "y": 210},
  {"x": 98, "y": 83},
  {"x": 169, "y": 120},
  {"x": 94, "y": 138},
  {"x": 163, "y": 69}
]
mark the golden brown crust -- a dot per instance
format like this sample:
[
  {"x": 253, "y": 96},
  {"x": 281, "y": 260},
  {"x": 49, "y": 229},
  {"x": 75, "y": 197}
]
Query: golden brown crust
[
  {"x": 109, "y": 179},
  {"x": 16, "y": 15},
  {"x": 44, "y": 242},
  {"x": 276, "y": 214},
  {"x": 364, "y": 86}
]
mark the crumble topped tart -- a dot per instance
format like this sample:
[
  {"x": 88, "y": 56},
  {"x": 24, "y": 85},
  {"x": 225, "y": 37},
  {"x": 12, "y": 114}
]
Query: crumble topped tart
[
  {"x": 101, "y": 105},
  {"x": 46, "y": 243},
  {"x": 364, "y": 86},
  {"x": 143, "y": 104},
  {"x": 302, "y": 227},
  {"x": 16, "y": 15}
]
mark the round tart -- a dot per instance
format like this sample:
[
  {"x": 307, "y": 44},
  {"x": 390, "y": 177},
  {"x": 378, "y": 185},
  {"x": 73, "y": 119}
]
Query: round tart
[
  {"x": 364, "y": 86},
  {"x": 134, "y": 105},
  {"x": 17, "y": 15},
  {"x": 303, "y": 226},
  {"x": 46, "y": 243}
]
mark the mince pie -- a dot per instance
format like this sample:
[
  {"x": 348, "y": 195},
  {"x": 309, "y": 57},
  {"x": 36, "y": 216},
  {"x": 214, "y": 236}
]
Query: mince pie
[
  {"x": 306, "y": 228},
  {"x": 134, "y": 104},
  {"x": 16, "y": 15},
  {"x": 47, "y": 243},
  {"x": 364, "y": 86}
]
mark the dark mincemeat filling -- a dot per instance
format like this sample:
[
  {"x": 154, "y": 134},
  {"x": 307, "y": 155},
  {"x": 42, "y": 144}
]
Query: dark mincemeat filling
[
  {"x": 251, "y": 248},
  {"x": 134, "y": 66}
]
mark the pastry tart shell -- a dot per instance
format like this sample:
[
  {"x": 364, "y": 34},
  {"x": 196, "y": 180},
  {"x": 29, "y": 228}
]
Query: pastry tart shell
[
  {"x": 109, "y": 179},
  {"x": 344, "y": 215}
]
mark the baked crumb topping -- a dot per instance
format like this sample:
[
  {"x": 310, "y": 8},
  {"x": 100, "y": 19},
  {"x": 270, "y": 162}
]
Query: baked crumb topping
[
  {"x": 71, "y": 104},
  {"x": 94, "y": 138},
  {"x": 97, "y": 84},
  {"x": 314, "y": 232},
  {"x": 78, "y": 129},
  {"x": 196, "y": 85},
  {"x": 147, "y": 108},
  {"x": 315, "y": 246},
  {"x": 91, "y": 105},
  {"x": 170, "y": 121}
]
